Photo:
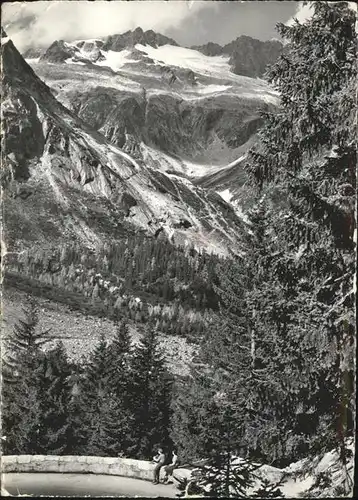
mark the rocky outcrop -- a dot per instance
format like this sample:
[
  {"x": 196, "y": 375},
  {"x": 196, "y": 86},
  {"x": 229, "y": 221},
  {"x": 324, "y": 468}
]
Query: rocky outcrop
[
  {"x": 131, "y": 38},
  {"x": 112, "y": 112},
  {"x": 56, "y": 53},
  {"x": 131, "y": 146},
  {"x": 248, "y": 56},
  {"x": 174, "y": 125},
  {"x": 90, "y": 50},
  {"x": 209, "y": 49},
  {"x": 85, "y": 51},
  {"x": 178, "y": 78}
]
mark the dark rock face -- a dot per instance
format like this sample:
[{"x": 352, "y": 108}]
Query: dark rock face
[
  {"x": 248, "y": 56},
  {"x": 184, "y": 127},
  {"x": 169, "y": 123},
  {"x": 209, "y": 49},
  {"x": 56, "y": 53},
  {"x": 178, "y": 77},
  {"x": 46, "y": 162},
  {"x": 112, "y": 113},
  {"x": 24, "y": 136},
  {"x": 21, "y": 123},
  {"x": 127, "y": 201},
  {"x": 131, "y": 38},
  {"x": 59, "y": 51}
]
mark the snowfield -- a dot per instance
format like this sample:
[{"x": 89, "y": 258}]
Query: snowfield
[
  {"x": 70, "y": 60},
  {"x": 187, "y": 58},
  {"x": 209, "y": 66},
  {"x": 125, "y": 71},
  {"x": 212, "y": 89},
  {"x": 32, "y": 60},
  {"x": 115, "y": 60}
]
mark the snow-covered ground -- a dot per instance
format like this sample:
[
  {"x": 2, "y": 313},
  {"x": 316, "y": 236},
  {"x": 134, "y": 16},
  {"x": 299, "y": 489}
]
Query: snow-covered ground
[
  {"x": 125, "y": 71},
  {"x": 208, "y": 66},
  {"x": 226, "y": 195},
  {"x": 32, "y": 60},
  {"x": 71, "y": 61},
  {"x": 211, "y": 89},
  {"x": 181, "y": 166},
  {"x": 302, "y": 476},
  {"x": 115, "y": 60},
  {"x": 168, "y": 55},
  {"x": 187, "y": 58}
]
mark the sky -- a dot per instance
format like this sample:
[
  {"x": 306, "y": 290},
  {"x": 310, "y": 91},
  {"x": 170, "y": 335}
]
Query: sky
[{"x": 190, "y": 22}]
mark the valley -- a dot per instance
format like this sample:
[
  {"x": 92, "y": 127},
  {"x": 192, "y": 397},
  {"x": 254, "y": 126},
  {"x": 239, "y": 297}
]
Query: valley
[
  {"x": 178, "y": 250},
  {"x": 117, "y": 168}
]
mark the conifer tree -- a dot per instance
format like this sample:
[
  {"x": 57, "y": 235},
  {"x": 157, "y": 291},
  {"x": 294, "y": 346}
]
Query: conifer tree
[
  {"x": 120, "y": 353},
  {"x": 90, "y": 407},
  {"x": 209, "y": 421},
  {"x": 287, "y": 331},
  {"x": 102, "y": 414},
  {"x": 55, "y": 432},
  {"x": 305, "y": 167},
  {"x": 121, "y": 426},
  {"x": 152, "y": 385},
  {"x": 20, "y": 384}
]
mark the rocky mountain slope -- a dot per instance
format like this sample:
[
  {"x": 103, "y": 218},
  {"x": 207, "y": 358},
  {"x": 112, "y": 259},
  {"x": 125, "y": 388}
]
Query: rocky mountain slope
[
  {"x": 65, "y": 180},
  {"x": 248, "y": 56},
  {"x": 186, "y": 113}
]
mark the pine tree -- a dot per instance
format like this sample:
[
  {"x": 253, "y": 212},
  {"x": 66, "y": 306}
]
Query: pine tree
[
  {"x": 305, "y": 168},
  {"x": 152, "y": 386},
  {"x": 209, "y": 421},
  {"x": 90, "y": 407},
  {"x": 121, "y": 394},
  {"x": 20, "y": 384},
  {"x": 55, "y": 432},
  {"x": 119, "y": 360},
  {"x": 102, "y": 413}
]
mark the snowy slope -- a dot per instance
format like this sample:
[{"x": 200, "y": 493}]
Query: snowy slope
[
  {"x": 213, "y": 73},
  {"x": 191, "y": 115},
  {"x": 189, "y": 59},
  {"x": 75, "y": 170}
]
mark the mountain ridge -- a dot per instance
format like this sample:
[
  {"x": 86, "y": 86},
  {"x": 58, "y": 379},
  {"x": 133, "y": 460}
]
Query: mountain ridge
[
  {"x": 48, "y": 149},
  {"x": 186, "y": 113},
  {"x": 247, "y": 56}
]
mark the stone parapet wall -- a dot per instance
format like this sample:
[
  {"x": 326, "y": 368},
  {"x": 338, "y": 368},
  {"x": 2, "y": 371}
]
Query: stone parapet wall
[{"x": 125, "y": 467}]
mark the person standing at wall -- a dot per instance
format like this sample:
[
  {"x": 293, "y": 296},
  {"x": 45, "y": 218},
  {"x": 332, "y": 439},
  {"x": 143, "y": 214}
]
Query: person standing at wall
[{"x": 160, "y": 460}]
